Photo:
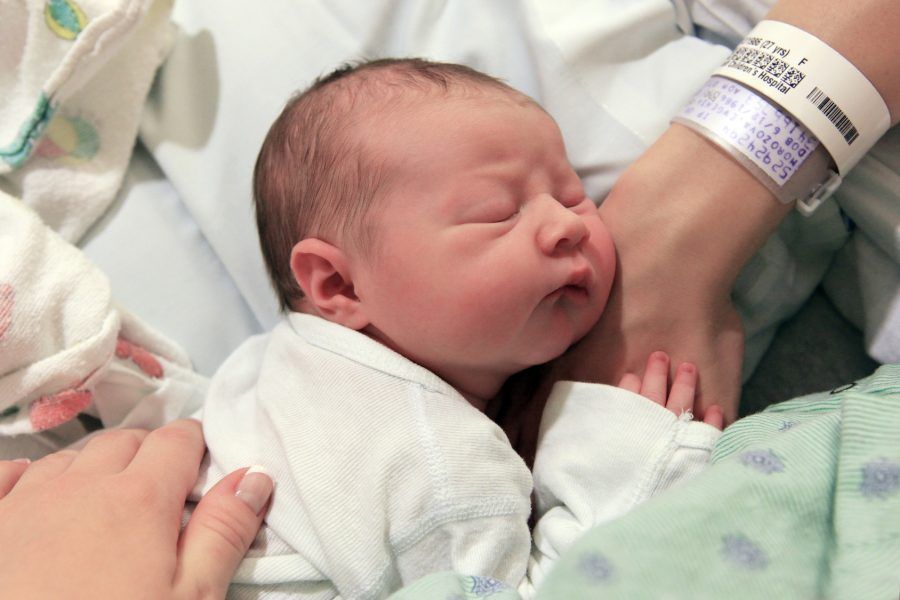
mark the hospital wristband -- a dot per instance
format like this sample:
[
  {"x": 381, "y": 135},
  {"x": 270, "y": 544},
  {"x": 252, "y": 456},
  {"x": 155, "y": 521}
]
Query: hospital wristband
[
  {"x": 815, "y": 84},
  {"x": 767, "y": 141}
]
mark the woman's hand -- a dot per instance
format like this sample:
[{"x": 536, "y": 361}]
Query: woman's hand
[
  {"x": 104, "y": 522},
  {"x": 682, "y": 235}
]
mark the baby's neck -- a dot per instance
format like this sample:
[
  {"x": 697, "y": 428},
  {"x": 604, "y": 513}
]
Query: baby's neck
[
  {"x": 478, "y": 388},
  {"x": 477, "y": 385},
  {"x": 476, "y": 402}
]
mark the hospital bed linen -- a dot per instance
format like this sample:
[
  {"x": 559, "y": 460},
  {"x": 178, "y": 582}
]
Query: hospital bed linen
[
  {"x": 801, "y": 502},
  {"x": 91, "y": 355}
]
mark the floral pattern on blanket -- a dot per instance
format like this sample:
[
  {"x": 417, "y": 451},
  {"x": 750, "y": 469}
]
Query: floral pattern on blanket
[{"x": 19, "y": 150}]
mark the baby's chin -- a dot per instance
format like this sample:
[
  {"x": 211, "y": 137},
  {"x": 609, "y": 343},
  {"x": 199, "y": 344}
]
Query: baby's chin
[
  {"x": 578, "y": 332},
  {"x": 582, "y": 332},
  {"x": 557, "y": 337},
  {"x": 554, "y": 348},
  {"x": 598, "y": 303}
]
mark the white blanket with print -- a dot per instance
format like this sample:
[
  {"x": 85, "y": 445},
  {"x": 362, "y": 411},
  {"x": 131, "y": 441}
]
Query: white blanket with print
[{"x": 68, "y": 122}]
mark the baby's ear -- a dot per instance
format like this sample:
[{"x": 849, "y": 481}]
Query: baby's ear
[{"x": 323, "y": 273}]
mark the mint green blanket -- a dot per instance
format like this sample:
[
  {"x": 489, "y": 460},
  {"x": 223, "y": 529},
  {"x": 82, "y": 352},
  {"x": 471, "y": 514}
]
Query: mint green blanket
[{"x": 802, "y": 501}]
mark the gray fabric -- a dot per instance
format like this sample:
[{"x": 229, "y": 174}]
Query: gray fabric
[{"x": 817, "y": 349}]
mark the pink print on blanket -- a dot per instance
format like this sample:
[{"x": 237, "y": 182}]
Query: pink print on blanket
[
  {"x": 55, "y": 409},
  {"x": 145, "y": 361}
]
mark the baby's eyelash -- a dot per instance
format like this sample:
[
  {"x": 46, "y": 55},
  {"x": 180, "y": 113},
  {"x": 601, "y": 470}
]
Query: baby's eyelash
[
  {"x": 499, "y": 212},
  {"x": 509, "y": 216}
]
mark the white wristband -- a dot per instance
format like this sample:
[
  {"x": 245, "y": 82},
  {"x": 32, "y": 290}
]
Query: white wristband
[
  {"x": 814, "y": 84},
  {"x": 780, "y": 152}
]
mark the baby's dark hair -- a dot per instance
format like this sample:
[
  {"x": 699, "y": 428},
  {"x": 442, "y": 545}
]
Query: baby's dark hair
[{"x": 313, "y": 177}]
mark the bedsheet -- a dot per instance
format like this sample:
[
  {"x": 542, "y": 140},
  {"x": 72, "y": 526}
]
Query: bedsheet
[{"x": 801, "y": 502}]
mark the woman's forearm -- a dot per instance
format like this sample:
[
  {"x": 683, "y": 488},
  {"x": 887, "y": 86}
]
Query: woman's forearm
[
  {"x": 700, "y": 212},
  {"x": 693, "y": 201},
  {"x": 686, "y": 217}
]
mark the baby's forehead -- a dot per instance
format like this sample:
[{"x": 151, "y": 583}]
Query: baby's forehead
[
  {"x": 494, "y": 114},
  {"x": 386, "y": 117},
  {"x": 370, "y": 93}
]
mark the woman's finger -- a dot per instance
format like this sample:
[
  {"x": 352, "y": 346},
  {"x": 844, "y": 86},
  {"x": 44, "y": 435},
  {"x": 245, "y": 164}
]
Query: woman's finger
[
  {"x": 220, "y": 532},
  {"x": 167, "y": 464},
  {"x": 46, "y": 468},
  {"x": 681, "y": 397},
  {"x": 656, "y": 378},
  {"x": 631, "y": 382},
  {"x": 108, "y": 452},
  {"x": 176, "y": 450},
  {"x": 10, "y": 472}
]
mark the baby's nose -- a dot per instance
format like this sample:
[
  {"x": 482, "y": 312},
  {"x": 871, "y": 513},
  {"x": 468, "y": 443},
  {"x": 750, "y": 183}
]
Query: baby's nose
[{"x": 562, "y": 230}]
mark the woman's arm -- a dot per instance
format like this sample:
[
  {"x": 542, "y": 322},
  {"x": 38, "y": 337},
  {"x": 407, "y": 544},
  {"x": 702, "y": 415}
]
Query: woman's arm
[{"x": 686, "y": 217}]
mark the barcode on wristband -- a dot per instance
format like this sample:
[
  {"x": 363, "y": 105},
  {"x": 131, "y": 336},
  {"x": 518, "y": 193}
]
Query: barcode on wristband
[{"x": 834, "y": 114}]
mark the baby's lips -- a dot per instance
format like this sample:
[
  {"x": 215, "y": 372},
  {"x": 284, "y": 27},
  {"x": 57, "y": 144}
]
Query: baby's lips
[{"x": 580, "y": 277}]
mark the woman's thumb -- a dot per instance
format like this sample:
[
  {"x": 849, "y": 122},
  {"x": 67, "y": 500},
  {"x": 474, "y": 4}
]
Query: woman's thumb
[{"x": 220, "y": 532}]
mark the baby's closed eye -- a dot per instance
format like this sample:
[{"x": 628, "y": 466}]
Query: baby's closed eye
[{"x": 493, "y": 211}]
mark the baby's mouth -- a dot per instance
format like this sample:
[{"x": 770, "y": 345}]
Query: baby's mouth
[
  {"x": 574, "y": 292},
  {"x": 576, "y": 289},
  {"x": 578, "y": 283}
]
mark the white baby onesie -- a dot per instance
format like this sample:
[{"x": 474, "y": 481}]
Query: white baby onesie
[{"x": 385, "y": 473}]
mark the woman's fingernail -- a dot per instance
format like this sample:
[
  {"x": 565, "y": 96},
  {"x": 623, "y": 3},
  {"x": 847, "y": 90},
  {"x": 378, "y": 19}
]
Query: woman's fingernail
[
  {"x": 255, "y": 488},
  {"x": 24, "y": 461}
]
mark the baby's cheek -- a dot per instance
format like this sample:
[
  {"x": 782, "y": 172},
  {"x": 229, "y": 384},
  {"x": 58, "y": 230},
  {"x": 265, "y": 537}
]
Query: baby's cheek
[
  {"x": 499, "y": 301},
  {"x": 604, "y": 251}
]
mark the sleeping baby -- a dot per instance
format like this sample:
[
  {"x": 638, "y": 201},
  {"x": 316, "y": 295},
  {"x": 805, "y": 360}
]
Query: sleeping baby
[{"x": 428, "y": 238}]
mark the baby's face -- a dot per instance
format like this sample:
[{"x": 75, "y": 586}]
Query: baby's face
[{"x": 491, "y": 258}]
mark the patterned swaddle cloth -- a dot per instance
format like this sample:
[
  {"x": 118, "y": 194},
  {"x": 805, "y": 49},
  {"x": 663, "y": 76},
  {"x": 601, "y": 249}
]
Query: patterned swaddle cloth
[{"x": 68, "y": 123}]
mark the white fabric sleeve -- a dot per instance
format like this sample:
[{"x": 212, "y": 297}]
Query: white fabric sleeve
[
  {"x": 494, "y": 546},
  {"x": 601, "y": 451}
]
